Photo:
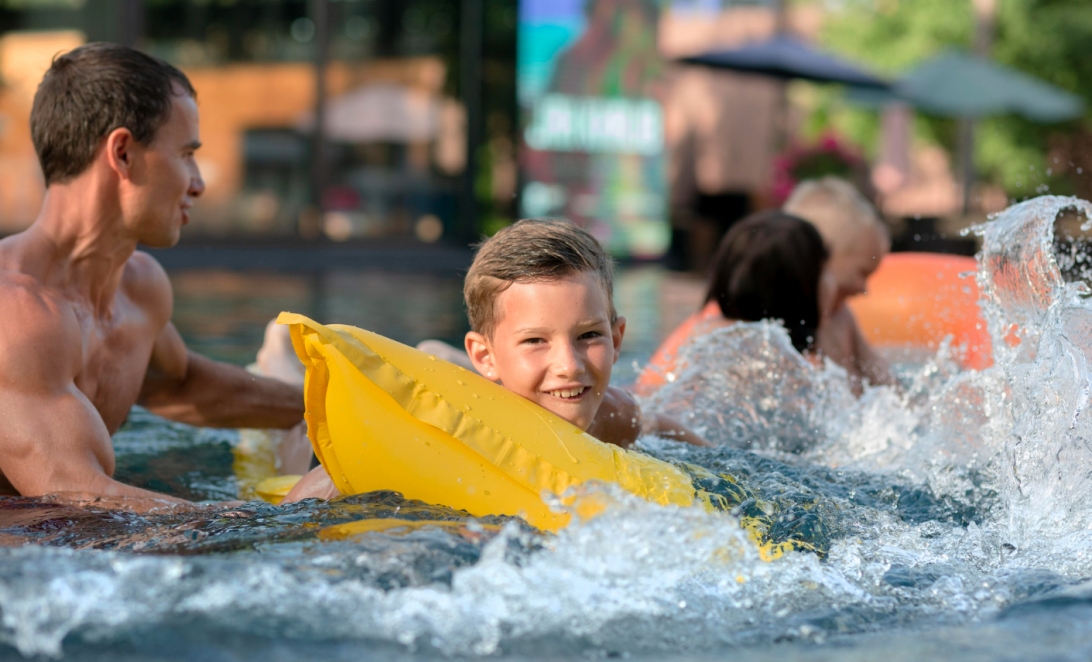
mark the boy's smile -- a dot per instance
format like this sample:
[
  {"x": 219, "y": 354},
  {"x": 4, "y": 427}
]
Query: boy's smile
[{"x": 553, "y": 344}]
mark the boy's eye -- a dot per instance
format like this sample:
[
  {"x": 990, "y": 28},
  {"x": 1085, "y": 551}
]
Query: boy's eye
[
  {"x": 532, "y": 341},
  {"x": 590, "y": 335}
]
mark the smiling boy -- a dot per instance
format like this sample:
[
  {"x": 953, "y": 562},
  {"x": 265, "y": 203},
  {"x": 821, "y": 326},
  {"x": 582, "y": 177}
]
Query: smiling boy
[
  {"x": 540, "y": 301},
  {"x": 543, "y": 324}
]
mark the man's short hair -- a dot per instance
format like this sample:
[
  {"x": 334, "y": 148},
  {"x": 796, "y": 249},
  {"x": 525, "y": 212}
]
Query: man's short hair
[
  {"x": 89, "y": 92},
  {"x": 528, "y": 251},
  {"x": 836, "y": 208}
]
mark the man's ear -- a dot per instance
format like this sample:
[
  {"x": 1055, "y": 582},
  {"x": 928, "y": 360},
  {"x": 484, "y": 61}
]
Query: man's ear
[
  {"x": 119, "y": 152},
  {"x": 617, "y": 331},
  {"x": 480, "y": 351}
]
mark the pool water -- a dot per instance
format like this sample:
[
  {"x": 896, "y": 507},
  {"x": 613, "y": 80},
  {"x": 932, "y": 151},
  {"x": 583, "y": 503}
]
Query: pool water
[
  {"x": 956, "y": 511},
  {"x": 223, "y": 314}
]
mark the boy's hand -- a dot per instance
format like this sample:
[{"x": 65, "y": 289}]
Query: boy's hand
[{"x": 669, "y": 427}]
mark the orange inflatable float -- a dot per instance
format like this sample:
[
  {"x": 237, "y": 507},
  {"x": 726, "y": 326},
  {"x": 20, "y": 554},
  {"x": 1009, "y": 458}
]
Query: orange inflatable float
[
  {"x": 919, "y": 299},
  {"x": 914, "y": 300}
]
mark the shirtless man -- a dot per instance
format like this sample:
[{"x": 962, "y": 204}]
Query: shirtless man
[
  {"x": 857, "y": 241},
  {"x": 87, "y": 329}
]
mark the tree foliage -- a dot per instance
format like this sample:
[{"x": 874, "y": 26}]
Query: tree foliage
[{"x": 1045, "y": 38}]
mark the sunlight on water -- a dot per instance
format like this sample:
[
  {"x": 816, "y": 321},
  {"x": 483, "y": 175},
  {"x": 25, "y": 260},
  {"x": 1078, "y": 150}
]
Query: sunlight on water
[{"x": 959, "y": 502}]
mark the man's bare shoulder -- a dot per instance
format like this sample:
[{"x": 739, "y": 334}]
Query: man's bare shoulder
[
  {"x": 146, "y": 283},
  {"x": 42, "y": 342}
]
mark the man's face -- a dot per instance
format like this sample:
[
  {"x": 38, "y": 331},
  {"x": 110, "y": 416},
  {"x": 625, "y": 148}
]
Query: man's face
[
  {"x": 852, "y": 266},
  {"x": 554, "y": 344},
  {"x": 165, "y": 179}
]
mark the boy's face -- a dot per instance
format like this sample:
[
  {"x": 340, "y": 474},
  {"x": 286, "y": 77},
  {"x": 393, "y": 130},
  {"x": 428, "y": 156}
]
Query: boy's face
[{"x": 554, "y": 344}]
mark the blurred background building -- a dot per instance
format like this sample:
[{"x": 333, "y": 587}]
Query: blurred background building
[
  {"x": 441, "y": 120},
  {"x": 390, "y": 158}
]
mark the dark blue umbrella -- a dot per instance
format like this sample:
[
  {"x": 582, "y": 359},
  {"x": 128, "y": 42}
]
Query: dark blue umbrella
[{"x": 787, "y": 57}]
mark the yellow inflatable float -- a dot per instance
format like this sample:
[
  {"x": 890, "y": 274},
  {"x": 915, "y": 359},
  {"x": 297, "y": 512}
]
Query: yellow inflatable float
[{"x": 384, "y": 416}]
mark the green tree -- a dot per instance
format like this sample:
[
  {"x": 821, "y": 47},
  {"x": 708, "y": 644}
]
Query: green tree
[{"x": 1046, "y": 38}]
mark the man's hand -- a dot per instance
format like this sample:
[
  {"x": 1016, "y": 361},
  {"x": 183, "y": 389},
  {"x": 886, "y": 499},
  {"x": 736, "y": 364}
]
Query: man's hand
[{"x": 315, "y": 485}]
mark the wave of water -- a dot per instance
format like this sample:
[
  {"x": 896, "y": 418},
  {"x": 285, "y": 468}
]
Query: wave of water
[{"x": 960, "y": 500}]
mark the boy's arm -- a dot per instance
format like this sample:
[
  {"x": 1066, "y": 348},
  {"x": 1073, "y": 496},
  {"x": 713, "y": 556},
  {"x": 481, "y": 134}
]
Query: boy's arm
[
  {"x": 619, "y": 421},
  {"x": 672, "y": 428}
]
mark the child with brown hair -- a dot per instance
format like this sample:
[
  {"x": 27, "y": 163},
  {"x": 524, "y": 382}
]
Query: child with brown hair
[{"x": 543, "y": 324}]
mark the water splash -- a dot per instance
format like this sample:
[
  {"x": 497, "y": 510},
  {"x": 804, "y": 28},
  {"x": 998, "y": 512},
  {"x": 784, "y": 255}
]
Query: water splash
[{"x": 959, "y": 500}]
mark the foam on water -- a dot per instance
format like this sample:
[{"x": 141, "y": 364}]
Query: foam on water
[{"x": 949, "y": 501}]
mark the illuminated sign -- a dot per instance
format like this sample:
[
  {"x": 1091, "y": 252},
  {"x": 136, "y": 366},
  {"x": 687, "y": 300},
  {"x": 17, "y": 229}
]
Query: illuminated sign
[
  {"x": 593, "y": 136},
  {"x": 594, "y": 124}
]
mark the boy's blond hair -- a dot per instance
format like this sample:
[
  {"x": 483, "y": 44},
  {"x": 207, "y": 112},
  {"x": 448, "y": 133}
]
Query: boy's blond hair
[
  {"x": 836, "y": 208},
  {"x": 527, "y": 251}
]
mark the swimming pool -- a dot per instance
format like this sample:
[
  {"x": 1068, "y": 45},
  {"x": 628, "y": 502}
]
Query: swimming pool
[{"x": 958, "y": 510}]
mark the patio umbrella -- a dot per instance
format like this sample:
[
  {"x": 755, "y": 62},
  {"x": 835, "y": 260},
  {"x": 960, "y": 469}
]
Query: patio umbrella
[
  {"x": 958, "y": 84},
  {"x": 786, "y": 57}
]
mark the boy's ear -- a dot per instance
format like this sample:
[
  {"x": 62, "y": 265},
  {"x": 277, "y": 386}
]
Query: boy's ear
[
  {"x": 481, "y": 354},
  {"x": 617, "y": 331}
]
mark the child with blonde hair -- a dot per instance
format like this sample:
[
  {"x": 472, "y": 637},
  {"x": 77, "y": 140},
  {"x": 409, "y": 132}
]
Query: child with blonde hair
[{"x": 857, "y": 241}]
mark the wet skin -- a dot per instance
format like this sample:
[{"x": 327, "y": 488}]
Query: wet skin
[
  {"x": 93, "y": 333},
  {"x": 555, "y": 345},
  {"x": 839, "y": 338}
]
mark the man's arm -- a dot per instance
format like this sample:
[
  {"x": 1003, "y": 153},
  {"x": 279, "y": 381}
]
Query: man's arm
[
  {"x": 63, "y": 451},
  {"x": 189, "y": 388},
  {"x": 53, "y": 440}
]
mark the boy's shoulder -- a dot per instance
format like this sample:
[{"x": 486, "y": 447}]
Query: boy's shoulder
[{"x": 618, "y": 420}]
